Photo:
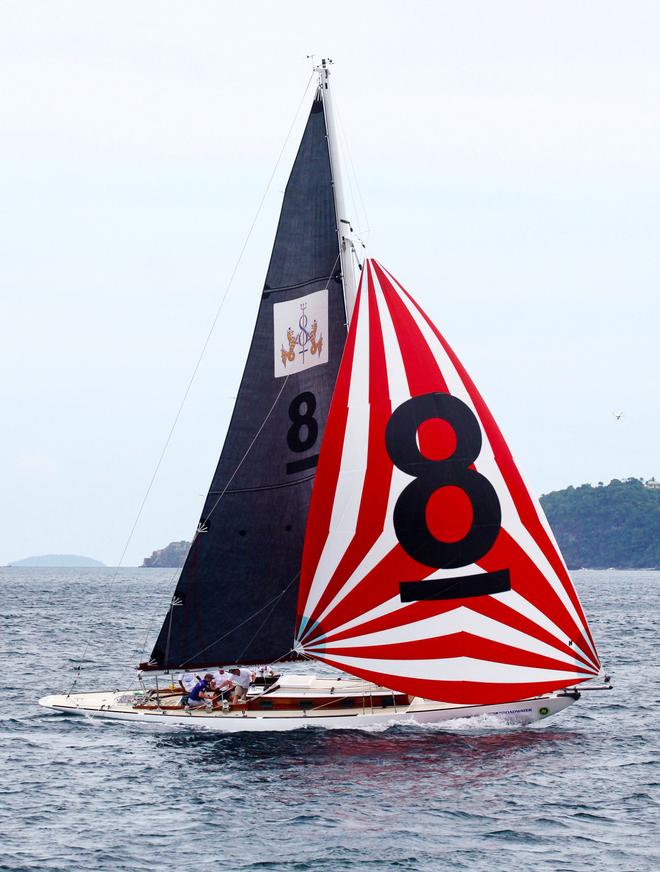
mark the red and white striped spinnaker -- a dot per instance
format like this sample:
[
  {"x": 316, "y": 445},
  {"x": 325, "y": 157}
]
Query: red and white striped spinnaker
[{"x": 428, "y": 567}]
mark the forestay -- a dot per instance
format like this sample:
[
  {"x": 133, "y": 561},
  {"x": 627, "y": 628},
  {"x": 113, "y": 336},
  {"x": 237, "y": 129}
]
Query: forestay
[
  {"x": 236, "y": 597},
  {"x": 428, "y": 567}
]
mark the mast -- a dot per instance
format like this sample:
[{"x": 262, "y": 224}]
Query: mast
[{"x": 343, "y": 224}]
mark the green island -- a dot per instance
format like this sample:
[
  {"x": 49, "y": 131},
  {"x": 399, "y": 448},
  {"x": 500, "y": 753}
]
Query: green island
[
  {"x": 614, "y": 526},
  {"x": 608, "y": 526}
]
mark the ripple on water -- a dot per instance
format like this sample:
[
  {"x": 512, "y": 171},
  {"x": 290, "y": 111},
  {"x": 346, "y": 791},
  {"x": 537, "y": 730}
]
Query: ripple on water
[{"x": 576, "y": 792}]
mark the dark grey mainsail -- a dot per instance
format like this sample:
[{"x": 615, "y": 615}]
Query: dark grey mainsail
[{"x": 235, "y": 601}]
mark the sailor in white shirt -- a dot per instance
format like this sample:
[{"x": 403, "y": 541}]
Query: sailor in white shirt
[
  {"x": 222, "y": 682},
  {"x": 242, "y": 679}
]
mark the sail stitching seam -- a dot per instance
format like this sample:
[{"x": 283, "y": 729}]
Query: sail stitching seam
[
  {"x": 299, "y": 284},
  {"x": 265, "y": 487}
]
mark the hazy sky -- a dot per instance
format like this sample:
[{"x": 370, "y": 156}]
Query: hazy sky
[{"x": 508, "y": 157}]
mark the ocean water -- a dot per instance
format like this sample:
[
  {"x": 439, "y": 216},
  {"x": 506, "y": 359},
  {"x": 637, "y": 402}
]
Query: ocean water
[{"x": 576, "y": 792}]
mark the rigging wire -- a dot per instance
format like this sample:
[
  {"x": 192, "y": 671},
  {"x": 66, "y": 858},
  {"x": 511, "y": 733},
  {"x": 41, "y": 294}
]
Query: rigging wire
[
  {"x": 242, "y": 460},
  {"x": 197, "y": 532},
  {"x": 199, "y": 360},
  {"x": 140, "y": 651},
  {"x": 263, "y": 623},
  {"x": 366, "y": 230},
  {"x": 255, "y": 437},
  {"x": 215, "y": 505},
  {"x": 224, "y": 490},
  {"x": 245, "y": 621}
]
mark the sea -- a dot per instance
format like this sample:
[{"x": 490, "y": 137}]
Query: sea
[{"x": 576, "y": 792}]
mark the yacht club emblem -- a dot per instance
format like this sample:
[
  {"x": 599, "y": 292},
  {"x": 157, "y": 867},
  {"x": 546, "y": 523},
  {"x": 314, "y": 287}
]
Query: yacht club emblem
[
  {"x": 301, "y": 333},
  {"x": 304, "y": 342}
]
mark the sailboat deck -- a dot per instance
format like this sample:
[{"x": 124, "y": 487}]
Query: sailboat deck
[
  {"x": 293, "y": 696},
  {"x": 282, "y": 710}
]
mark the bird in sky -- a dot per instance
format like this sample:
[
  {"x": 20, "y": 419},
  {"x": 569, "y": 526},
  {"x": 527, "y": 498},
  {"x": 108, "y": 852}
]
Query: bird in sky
[{"x": 618, "y": 415}]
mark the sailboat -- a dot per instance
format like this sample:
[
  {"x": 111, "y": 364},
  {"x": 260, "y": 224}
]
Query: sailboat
[{"x": 366, "y": 513}]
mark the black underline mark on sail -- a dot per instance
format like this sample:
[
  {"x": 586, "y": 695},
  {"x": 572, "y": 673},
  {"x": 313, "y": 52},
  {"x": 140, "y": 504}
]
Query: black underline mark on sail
[
  {"x": 300, "y": 465},
  {"x": 481, "y": 584}
]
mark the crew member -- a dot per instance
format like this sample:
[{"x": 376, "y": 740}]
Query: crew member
[
  {"x": 222, "y": 684},
  {"x": 242, "y": 679},
  {"x": 187, "y": 680},
  {"x": 201, "y": 692}
]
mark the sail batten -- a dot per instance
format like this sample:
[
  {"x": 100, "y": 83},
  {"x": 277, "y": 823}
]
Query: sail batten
[
  {"x": 235, "y": 600},
  {"x": 433, "y": 502}
]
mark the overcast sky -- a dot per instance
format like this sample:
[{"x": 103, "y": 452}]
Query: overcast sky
[{"x": 508, "y": 158}]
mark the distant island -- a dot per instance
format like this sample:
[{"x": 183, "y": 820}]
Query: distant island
[
  {"x": 607, "y": 526},
  {"x": 174, "y": 555},
  {"x": 57, "y": 560}
]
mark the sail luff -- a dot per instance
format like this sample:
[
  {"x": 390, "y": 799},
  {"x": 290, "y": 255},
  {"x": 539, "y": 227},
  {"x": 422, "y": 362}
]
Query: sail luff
[
  {"x": 329, "y": 474},
  {"x": 329, "y": 502}
]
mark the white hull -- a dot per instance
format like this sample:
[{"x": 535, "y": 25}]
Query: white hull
[{"x": 112, "y": 705}]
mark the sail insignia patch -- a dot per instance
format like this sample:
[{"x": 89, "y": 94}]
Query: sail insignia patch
[{"x": 300, "y": 333}]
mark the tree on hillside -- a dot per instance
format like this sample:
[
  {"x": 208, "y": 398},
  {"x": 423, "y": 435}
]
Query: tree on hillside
[{"x": 617, "y": 525}]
